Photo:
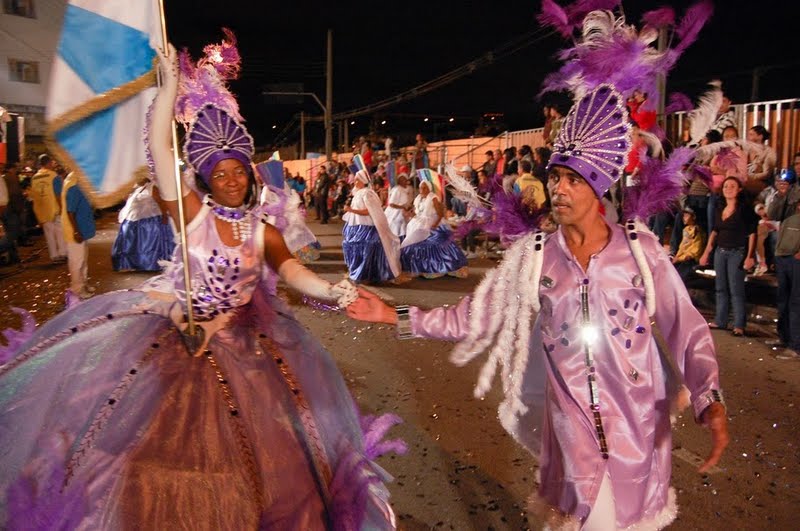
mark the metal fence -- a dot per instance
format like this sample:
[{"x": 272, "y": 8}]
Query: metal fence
[{"x": 780, "y": 117}]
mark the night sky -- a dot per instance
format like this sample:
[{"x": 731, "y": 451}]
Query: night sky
[{"x": 381, "y": 49}]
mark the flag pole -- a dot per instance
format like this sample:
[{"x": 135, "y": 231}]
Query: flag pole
[{"x": 187, "y": 278}]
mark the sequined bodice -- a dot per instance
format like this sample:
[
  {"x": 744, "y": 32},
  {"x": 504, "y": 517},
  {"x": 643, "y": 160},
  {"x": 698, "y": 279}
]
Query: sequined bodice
[{"x": 223, "y": 277}]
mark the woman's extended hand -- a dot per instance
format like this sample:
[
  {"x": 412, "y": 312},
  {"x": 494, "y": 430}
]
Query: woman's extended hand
[{"x": 369, "y": 307}]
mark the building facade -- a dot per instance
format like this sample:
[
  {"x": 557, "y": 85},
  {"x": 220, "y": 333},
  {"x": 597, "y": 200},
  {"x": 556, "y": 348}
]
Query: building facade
[{"x": 29, "y": 34}]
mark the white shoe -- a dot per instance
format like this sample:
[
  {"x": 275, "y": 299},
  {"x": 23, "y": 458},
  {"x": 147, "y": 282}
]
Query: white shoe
[
  {"x": 90, "y": 289},
  {"x": 788, "y": 354}
]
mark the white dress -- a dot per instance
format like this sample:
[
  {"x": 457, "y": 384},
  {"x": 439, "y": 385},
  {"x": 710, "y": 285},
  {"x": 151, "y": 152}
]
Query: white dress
[{"x": 398, "y": 195}]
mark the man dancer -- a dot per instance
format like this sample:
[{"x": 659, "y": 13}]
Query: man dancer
[{"x": 586, "y": 384}]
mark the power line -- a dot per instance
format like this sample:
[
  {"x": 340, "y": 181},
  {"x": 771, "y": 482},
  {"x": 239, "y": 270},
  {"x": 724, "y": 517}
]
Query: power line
[{"x": 508, "y": 48}]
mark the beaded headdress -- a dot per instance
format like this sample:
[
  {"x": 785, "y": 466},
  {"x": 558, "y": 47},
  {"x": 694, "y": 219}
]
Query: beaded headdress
[
  {"x": 594, "y": 139},
  {"x": 209, "y": 111}
]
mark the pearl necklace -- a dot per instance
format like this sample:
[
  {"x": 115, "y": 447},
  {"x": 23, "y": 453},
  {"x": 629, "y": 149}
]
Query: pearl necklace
[{"x": 238, "y": 217}]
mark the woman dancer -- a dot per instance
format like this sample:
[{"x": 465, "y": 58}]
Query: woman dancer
[
  {"x": 370, "y": 248},
  {"x": 400, "y": 200},
  {"x": 122, "y": 422},
  {"x": 146, "y": 235},
  {"x": 428, "y": 249}
]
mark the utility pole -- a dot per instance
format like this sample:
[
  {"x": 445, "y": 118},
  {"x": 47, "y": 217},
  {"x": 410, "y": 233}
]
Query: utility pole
[
  {"x": 661, "y": 80},
  {"x": 329, "y": 99},
  {"x": 302, "y": 135}
]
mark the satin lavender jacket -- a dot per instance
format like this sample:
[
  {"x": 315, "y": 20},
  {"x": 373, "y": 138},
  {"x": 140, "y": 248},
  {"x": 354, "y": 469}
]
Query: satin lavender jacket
[{"x": 634, "y": 406}]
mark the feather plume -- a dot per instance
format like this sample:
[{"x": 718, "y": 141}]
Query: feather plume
[
  {"x": 553, "y": 15},
  {"x": 577, "y": 10},
  {"x": 660, "y": 184},
  {"x": 692, "y": 22},
  {"x": 206, "y": 80},
  {"x": 375, "y": 429},
  {"x": 16, "y": 338},
  {"x": 678, "y": 102},
  {"x": 511, "y": 218},
  {"x": 701, "y": 172},
  {"x": 462, "y": 188},
  {"x": 704, "y": 115},
  {"x": 705, "y": 153},
  {"x": 727, "y": 159},
  {"x": 659, "y": 18},
  {"x": 611, "y": 51},
  {"x": 654, "y": 146}
]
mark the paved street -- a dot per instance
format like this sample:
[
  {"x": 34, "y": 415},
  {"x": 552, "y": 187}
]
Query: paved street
[{"x": 462, "y": 471}]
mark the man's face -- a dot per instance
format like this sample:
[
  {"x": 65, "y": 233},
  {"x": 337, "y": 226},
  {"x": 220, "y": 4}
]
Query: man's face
[
  {"x": 797, "y": 165},
  {"x": 781, "y": 186},
  {"x": 572, "y": 198},
  {"x": 726, "y": 104}
]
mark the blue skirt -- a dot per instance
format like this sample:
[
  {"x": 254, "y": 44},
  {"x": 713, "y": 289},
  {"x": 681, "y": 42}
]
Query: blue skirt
[
  {"x": 364, "y": 254},
  {"x": 141, "y": 244},
  {"x": 436, "y": 255}
]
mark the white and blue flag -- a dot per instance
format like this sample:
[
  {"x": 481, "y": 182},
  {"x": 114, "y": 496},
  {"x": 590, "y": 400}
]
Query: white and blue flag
[{"x": 101, "y": 85}]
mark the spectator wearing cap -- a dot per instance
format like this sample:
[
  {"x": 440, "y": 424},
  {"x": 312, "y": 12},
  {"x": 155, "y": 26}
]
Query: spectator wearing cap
[
  {"x": 691, "y": 247},
  {"x": 787, "y": 193},
  {"x": 787, "y": 268}
]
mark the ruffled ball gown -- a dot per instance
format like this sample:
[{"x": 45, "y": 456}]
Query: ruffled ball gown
[
  {"x": 108, "y": 421},
  {"x": 143, "y": 238},
  {"x": 428, "y": 252}
]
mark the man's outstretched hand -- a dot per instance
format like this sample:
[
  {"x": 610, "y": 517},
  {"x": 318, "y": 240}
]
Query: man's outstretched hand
[
  {"x": 369, "y": 307},
  {"x": 716, "y": 419}
]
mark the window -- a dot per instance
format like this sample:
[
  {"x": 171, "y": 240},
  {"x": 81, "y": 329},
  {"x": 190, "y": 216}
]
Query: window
[
  {"x": 22, "y": 8},
  {"x": 24, "y": 71}
]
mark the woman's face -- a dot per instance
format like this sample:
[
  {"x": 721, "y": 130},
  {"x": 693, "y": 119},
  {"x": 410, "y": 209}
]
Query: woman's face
[
  {"x": 424, "y": 189},
  {"x": 729, "y": 134},
  {"x": 731, "y": 188},
  {"x": 229, "y": 183}
]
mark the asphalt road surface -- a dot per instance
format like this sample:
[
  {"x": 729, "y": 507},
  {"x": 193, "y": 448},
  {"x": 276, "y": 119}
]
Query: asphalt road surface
[{"x": 462, "y": 471}]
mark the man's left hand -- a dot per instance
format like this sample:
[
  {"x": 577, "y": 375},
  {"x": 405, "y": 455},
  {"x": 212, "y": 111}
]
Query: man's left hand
[{"x": 715, "y": 418}]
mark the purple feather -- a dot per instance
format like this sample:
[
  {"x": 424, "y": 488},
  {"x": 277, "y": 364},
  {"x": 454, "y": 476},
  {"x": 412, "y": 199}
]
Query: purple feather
[
  {"x": 349, "y": 490},
  {"x": 727, "y": 159},
  {"x": 692, "y": 22},
  {"x": 678, "y": 102},
  {"x": 702, "y": 172},
  {"x": 579, "y": 9},
  {"x": 659, "y": 18},
  {"x": 375, "y": 429},
  {"x": 553, "y": 15},
  {"x": 511, "y": 218},
  {"x": 206, "y": 81},
  {"x": 660, "y": 184},
  {"x": 39, "y": 499},
  {"x": 16, "y": 338}
]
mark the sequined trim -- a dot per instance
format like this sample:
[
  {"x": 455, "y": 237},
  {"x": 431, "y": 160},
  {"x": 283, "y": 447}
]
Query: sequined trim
[
  {"x": 81, "y": 327},
  {"x": 594, "y": 393},
  {"x": 87, "y": 441},
  {"x": 315, "y": 447},
  {"x": 239, "y": 431}
]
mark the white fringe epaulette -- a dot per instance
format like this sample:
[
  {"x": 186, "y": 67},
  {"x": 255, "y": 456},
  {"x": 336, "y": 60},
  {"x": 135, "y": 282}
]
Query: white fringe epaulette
[{"x": 506, "y": 299}]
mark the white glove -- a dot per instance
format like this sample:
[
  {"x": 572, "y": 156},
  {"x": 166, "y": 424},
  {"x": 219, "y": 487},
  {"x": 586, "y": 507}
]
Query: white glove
[
  {"x": 160, "y": 130},
  {"x": 299, "y": 278}
]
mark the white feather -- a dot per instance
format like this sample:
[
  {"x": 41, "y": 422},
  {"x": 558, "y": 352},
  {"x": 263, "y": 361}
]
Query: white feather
[
  {"x": 462, "y": 188},
  {"x": 706, "y": 153},
  {"x": 705, "y": 114}
]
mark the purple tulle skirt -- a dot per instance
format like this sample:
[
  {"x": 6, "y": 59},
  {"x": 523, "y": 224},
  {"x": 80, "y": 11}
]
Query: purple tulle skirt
[
  {"x": 436, "y": 255},
  {"x": 107, "y": 422},
  {"x": 141, "y": 244},
  {"x": 364, "y": 255}
]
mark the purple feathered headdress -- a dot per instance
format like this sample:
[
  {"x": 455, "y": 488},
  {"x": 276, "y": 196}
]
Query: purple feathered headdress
[
  {"x": 611, "y": 51},
  {"x": 595, "y": 138},
  {"x": 660, "y": 184},
  {"x": 208, "y": 109}
]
